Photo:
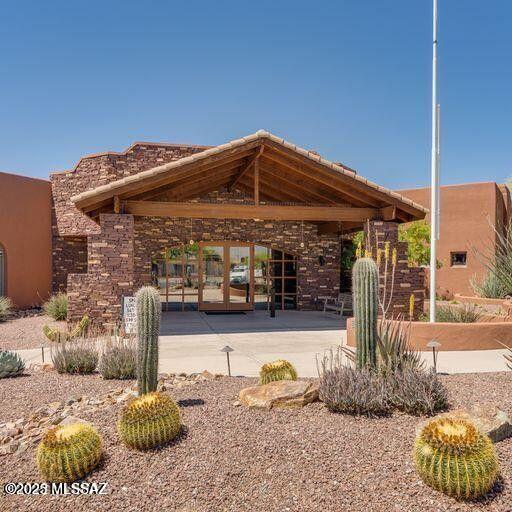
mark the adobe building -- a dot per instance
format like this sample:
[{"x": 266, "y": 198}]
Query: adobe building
[
  {"x": 471, "y": 214},
  {"x": 217, "y": 228},
  {"x": 25, "y": 239}
]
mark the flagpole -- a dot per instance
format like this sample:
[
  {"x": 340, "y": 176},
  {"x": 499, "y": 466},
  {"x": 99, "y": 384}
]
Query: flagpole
[{"x": 434, "y": 170}]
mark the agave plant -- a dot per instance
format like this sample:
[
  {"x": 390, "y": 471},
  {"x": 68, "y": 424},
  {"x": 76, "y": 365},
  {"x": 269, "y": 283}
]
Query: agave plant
[
  {"x": 11, "y": 364},
  {"x": 508, "y": 357}
]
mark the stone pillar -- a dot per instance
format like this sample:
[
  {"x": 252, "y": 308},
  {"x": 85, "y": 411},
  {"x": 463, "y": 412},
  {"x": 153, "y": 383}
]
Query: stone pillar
[
  {"x": 407, "y": 281},
  {"x": 110, "y": 273}
]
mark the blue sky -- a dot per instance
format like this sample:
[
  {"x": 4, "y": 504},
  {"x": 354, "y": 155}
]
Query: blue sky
[{"x": 347, "y": 78}]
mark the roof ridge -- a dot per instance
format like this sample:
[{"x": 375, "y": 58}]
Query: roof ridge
[{"x": 260, "y": 134}]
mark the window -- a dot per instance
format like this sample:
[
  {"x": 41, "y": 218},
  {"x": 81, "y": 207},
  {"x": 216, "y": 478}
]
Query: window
[{"x": 458, "y": 259}]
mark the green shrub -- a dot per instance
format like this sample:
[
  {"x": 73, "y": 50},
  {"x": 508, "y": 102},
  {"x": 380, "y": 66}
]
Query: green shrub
[
  {"x": 5, "y": 308},
  {"x": 68, "y": 453},
  {"x": 149, "y": 421},
  {"x": 76, "y": 357},
  {"x": 466, "y": 313},
  {"x": 491, "y": 287},
  {"x": 417, "y": 392},
  {"x": 119, "y": 360},
  {"x": 57, "y": 306},
  {"x": 11, "y": 364},
  {"x": 277, "y": 370},
  {"x": 453, "y": 456},
  {"x": 394, "y": 351}
]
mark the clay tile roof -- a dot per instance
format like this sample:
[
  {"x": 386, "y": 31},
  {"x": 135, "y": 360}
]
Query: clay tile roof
[{"x": 260, "y": 134}]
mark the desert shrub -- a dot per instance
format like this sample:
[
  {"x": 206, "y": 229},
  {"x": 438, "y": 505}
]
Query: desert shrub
[
  {"x": 148, "y": 421},
  {"x": 350, "y": 390},
  {"x": 80, "y": 329},
  {"x": 490, "y": 287},
  {"x": 467, "y": 314},
  {"x": 78, "y": 356},
  {"x": 417, "y": 392},
  {"x": 119, "y": 359},
  {"x": 394, "y": 351},
  {"x": 5, "y": 308},
  {"x": 507, "y": 355},
  {"x": 453, "y": 456},
  {"x": 68, "y": 453},
  {"x": 57, "y": 306},
  {"x": 277, "y": 370},
  {"x": 11, "y": 364}
]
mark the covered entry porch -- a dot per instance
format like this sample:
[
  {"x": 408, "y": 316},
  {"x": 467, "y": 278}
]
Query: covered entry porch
[{"x": 218, "y": 230}]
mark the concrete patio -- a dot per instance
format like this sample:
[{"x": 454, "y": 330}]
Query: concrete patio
[{"x": 191, "y": 342}]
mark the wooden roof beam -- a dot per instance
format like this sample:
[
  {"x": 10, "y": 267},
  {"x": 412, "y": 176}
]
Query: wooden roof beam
[
  {"x": 252, "y": 161},
  {"x": 237, "y": 211}
]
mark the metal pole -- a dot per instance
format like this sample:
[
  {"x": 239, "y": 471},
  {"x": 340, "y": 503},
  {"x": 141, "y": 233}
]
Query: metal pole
[
  {"x": 434, "y": 192},
  {"x": 229, "y": 366}
]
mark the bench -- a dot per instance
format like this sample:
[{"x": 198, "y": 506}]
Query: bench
[{"x": 340, "y": 305}]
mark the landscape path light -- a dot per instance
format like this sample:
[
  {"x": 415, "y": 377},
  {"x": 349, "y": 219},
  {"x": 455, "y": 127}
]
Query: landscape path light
[
  {"x": 434, "y": 345},
  {"x": 227, "y": 349}
]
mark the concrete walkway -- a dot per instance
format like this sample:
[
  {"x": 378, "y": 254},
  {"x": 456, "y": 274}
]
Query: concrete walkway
[{"x": 191, "y": 342}]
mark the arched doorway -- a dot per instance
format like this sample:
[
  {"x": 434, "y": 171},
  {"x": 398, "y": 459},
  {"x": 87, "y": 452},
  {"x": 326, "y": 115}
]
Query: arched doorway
[{"x": 225, "y": 276}]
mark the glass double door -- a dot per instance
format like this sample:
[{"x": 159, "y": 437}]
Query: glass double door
[{"x": 226, "y": 276}]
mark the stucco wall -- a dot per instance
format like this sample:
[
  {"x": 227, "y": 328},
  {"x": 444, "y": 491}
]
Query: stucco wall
[
  {"x": 468, "y": 213},
  {"x": 25, "y": 234}
]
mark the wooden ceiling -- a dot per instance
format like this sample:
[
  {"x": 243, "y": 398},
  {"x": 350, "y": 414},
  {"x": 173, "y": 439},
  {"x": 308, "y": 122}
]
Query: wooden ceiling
[{"x": 269, "y": 172}]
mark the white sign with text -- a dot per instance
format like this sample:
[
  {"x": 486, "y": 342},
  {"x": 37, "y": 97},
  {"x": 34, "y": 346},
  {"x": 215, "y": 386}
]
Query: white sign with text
[{"x": 130, "y": 315}]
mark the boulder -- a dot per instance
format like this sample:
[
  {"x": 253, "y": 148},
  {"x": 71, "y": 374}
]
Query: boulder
[
  {"x": 488, "y": 418},
  {"x": 282, "y": 393}
]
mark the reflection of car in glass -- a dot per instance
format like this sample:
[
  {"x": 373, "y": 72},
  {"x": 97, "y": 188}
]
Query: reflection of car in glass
[{"x": 239, "y": 274}]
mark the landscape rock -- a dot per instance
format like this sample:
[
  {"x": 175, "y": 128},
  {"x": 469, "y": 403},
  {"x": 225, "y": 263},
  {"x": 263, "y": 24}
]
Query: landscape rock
[
  {"x": 488, "y": 418},
  {"x": 73, "y": 419},
  {"x": 283, "y": 393}
]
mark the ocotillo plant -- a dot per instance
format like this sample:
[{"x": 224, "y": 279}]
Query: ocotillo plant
[
  {"x": 148, "y": 328},
  {"x": 365, "y": 288}
]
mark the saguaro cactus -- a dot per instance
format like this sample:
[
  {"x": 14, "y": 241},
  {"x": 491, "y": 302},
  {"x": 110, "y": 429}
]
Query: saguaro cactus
[
  {"x": 365, "y": 288},
  {"x": 148, "y": 327}
]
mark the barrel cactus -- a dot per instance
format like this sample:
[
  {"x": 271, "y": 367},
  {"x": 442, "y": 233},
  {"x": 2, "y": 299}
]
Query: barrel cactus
[
  {"x": 11, "y": 364},
  {"x": 365, "y": 288},
  {"x": 148, "y": 329},
  {"x": 149, "y": 421},
  {"x": 68, "y": 453},
  {"x": 278, "y": 370},
  {"x": 454, "y": 457}
]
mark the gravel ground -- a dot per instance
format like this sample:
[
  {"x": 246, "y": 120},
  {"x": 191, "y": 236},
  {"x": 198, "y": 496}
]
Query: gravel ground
[
  {"x": 20, "y": 333},
  {"x": 22, "y": 395},
  {"x": 234, "y": 459}
]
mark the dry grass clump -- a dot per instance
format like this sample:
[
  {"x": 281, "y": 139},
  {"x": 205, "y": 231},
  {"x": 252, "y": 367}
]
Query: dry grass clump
[
  {"x": 79, "y": 356},
  {"x": 57, "y": 306}
]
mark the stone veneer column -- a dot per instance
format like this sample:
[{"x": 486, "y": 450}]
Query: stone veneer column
[
  {"x": 408, "y": 280},
  {"x": 110, "y": 272}
]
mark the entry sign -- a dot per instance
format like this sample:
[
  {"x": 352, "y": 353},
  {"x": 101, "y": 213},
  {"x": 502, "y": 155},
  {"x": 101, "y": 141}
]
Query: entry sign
[{"x": 130, "y": 315}]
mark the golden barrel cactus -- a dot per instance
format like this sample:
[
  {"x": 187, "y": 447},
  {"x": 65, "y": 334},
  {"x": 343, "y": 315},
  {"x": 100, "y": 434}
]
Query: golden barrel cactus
[
  {"x": 277, "y": 370},
  {"x": 149, "y": 421},
  {"x": 68, "y": 453},
  {"x": 454, "y": 457}
]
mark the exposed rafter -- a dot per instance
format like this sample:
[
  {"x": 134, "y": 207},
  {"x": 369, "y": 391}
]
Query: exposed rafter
[{"x": 252, "y": 161}]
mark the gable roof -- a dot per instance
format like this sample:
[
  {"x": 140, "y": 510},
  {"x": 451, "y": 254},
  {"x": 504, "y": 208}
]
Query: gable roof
[{"x": 288, "y": 172}]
